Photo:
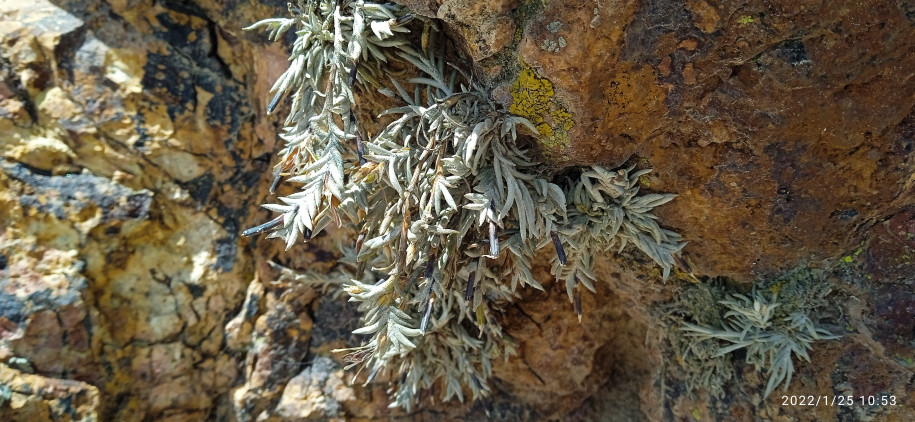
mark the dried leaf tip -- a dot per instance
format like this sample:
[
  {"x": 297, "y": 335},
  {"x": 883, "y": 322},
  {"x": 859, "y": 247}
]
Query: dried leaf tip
[{"x": 578, "y": 303}]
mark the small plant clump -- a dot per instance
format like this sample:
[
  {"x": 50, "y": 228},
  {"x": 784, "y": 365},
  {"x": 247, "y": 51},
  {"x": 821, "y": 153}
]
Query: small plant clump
[
  {"x": 771, "y": 327},
  {"x": 445, "y": 203},
  {"x": 697, "y": 358}
]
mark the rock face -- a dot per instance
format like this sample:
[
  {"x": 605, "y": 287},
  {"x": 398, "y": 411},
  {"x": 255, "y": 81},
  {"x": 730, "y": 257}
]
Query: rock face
[
  {"x": 121, "y": 259},
  {"x": 135, "y": 149}
]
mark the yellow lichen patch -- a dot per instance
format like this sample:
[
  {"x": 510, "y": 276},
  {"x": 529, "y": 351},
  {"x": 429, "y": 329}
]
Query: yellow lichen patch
[
  {"x": 746, "y": 20},
  {"x": 533, "y": 98},
  {"x": 518, "y": 35},
  {"x": 776, "y": 288}
]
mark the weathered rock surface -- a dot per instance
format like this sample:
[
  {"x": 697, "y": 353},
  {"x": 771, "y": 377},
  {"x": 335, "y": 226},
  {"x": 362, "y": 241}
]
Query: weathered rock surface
[
  {"x": 135, "y": 147},
  {"x": 786, "y": 130}
]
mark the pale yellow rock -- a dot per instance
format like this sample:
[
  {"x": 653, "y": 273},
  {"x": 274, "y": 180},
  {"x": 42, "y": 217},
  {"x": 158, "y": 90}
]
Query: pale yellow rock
[
  {"x": 316, "y": 393},
  {"x": 125, "y": 68},
  {"x": 54, "y": 106},
  {"x": 39, "y": 398},
  {"x": 40, "y": 152},
  {"x": 180, "y": 165}
]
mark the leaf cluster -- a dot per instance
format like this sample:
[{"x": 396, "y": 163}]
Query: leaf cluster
[
  {"x": 771, "y": 338},
  {"x": 604, "y": 211},
  {"x": 336, "y": 45}
]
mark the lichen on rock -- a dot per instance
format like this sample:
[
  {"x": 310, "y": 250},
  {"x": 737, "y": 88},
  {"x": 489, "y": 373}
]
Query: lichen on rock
[{"x": 534, "y": 98}]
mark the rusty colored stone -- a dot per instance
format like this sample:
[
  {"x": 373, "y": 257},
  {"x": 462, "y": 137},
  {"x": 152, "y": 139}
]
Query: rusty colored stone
[
  {"x": 744, "y": 116},
  {"x": 36, "y": 398}
]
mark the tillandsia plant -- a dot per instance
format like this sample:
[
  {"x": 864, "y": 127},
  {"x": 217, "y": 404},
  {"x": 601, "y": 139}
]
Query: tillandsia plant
[{"x": 446, "y": 205}]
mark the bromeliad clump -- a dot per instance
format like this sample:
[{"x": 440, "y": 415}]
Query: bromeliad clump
[{"x": 447, "y": 207}]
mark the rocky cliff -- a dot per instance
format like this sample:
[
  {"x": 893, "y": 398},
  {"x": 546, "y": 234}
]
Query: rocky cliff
[{"x": 136, "y": 147}]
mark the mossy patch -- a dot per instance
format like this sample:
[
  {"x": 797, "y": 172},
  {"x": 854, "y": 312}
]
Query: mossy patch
[
  {"x": 746, "y": 20},
  {"x": 848, "y": 259},
  {"x": 533, "y": 98}
]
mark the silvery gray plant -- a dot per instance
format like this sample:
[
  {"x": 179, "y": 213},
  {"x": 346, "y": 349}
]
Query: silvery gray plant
[
  {"x": 770, "y": 341},
  {"x": 447, "y": 207}
]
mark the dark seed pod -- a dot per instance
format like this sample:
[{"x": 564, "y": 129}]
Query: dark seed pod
[
  {"x": 430, "y": 266},
  {"x": 468, "y": 295},
  {"x": 352, "y": 73},
  {"x": 560, "y": 252},
  {"x": 277, "y": 176},
  {"x": 403, "y": 20},
  {"x": 360, "y": 149},
  {"x": 263, "y": 227},
  {"x": 273, "y": 103},
  {"x": 476, "y": 382},
  {"x": 681, "y": 262}
]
